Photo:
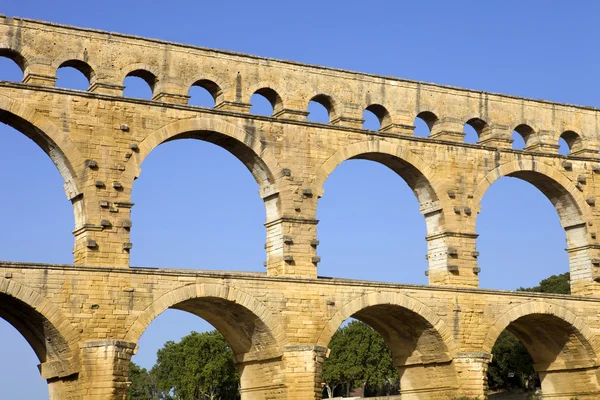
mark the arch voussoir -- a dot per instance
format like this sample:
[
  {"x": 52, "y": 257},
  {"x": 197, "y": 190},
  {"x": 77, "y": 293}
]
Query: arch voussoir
[{"x": 206, "y": 124}]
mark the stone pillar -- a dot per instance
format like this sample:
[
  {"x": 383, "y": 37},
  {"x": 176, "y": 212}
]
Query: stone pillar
[
  {"x": 433, "y": 381},
  {"x": 62, "y": 379},
  {"x": 496, "y": 136},
  {"x": 40, "y": 73},
  {"x": 448, "y": 129},
  {"x": 102, "y": 234},
  {"x": 471, "y": 369},
  {"x": 261, "y": 376},
  {"x": 304, "y": 371},
  {"x": 543, "y": 142},
  {"x": 452, "y": 259},
  {"x": 570, "y": 383},
  {"x": 348, "y": 114},
  {"x": 291, "y": 247},
  {"x": 104, "y": 369},
  {"x": 171, "y": 90}
]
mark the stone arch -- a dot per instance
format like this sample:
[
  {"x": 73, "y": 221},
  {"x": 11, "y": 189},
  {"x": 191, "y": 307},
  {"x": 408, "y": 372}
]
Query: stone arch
[
  {"x": 541, "y": 307},
  {"x": 559, "y": 189},
  {"x": 328, "y": 101},
  {"x": 14, "y": 55},
  {"x": 238, "y": 141},
  {"x": 564, "y": 350},
  {"x": 271, "y": 90},
  {"x": 85, "y": 67},
  {"x": 51, "y": 335},
  {"x": 383, "y": 298},
  {"x": 55, "y": 143},
  {"x": 247, "y": 324},
  {"x": 149, "y": 73},
  {"x": 419, "y": 176},
  {"x": 254, "y": 334},
  {"x": 416, "y": 336},
  {"x": 214, "y": 84},
  {"x": 571, "y": 207}
]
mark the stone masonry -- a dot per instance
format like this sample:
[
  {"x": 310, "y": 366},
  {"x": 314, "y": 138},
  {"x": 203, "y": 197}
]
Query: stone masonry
[{"x": 84, "y": 320}]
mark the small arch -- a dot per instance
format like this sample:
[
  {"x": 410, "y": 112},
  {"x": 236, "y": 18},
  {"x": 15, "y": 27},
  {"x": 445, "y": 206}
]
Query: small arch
[
  {"x": 211, "y": 88},
  {"x": 569, "y": 142},
  {"x": 474, "y": 128},
  {"x": 143, "y": 74},
  {"x": 316, "y": 115},
  {"x": 80, "y": 66},
  {"x": 15, "y": 56},
  {"x": 272, "y": 97},
  {"x": 381, "y": 114},
  {"x": 73, "y": 81},
  {"x": 526, "y": 133},
  {"x": 424, "y": 123}
]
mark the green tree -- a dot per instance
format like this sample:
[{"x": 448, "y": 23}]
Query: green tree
[
  {"x": 359, "y": 357},
  {"x": 558, "y": 284},
  {"x": 143, "y": 384},
  {"x": 199, "y": 367}
]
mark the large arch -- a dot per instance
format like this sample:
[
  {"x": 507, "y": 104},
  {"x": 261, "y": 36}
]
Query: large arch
[
  {"x": 54, "y": 142},
  {"x": 253, "y": 332},
  {"x": 559, "y": 189},
  {"x": 238, "y": 141},
  {"x": 572, "y": 209},
  {"x": 421, "y": 344},
  {"x": 417, "y": 174},
  {"x": 564, "y": 350},
  {"x": 51, "y": 335}
]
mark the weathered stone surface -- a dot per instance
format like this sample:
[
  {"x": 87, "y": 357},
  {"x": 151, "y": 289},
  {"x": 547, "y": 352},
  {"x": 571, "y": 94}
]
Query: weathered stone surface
[{"x": 84, "y": 321}]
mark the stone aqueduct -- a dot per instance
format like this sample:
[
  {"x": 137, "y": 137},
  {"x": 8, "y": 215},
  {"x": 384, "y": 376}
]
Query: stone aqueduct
[{"x": 84, "y": 320}]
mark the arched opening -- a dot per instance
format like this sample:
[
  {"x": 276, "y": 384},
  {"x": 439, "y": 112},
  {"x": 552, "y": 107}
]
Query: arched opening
[
  {"x": 521, "y": 136},
  {"x": 139, "y": 84},
  {"x": 12, "y": 66},
  {"x": 320, "y": 109},
  {"x": 204, "y": 93},
  {"x": 40, "y": 220},
  {"x": 266, "y": 102},
  {"x": 474, "y": 128},
  {"x": 424, "y": 123},
  {"x": 204, "y": 215},
  {"x": 74, "y": 74},
  {"x": 244, "y": 352},
  {"x": 360, "y": 364},
  {"x": 569, "y": 142},
  {"x": 407, "y": 355},
  {"x": 20, "y": 377},
  {"x": 543, "y": 351},
  {"x": 518, "y": 227},
  {"x": 375, "y": 117},
  {"x": 370, "y": 227}
]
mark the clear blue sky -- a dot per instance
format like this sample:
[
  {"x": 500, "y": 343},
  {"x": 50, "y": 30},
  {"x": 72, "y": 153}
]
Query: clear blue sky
[{"x": 370, "y": 225}]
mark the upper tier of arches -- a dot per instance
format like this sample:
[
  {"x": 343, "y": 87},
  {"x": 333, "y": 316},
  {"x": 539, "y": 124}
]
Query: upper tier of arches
[{"x": 232, "y": 79}]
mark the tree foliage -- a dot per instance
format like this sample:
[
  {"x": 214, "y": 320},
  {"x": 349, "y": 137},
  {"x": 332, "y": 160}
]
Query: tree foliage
[
  {"x": 199, "y": 367},
  {"x": 557, "y": 284},
  {"x": 359, "y": 358}
]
